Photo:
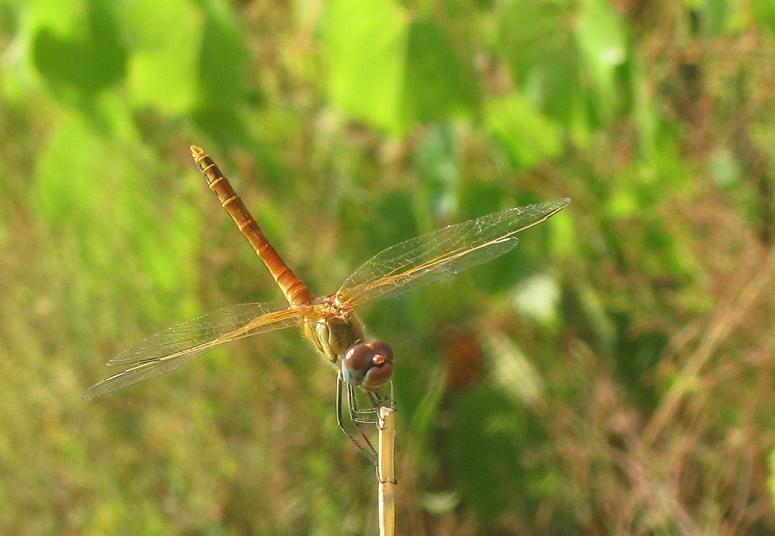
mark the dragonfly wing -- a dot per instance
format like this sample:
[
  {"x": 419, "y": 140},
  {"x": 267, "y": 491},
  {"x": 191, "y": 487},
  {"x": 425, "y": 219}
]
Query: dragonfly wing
[
  {"x": 167, "y": 350},
  {"x": 139, "y": 372},
  {"x": 440, "y": 254}
]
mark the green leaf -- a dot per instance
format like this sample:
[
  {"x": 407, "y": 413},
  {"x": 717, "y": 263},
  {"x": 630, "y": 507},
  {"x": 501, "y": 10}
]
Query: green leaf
[
  {"x": 537, "y": 42},
  {"x": 67, "y": 185},
  {"x": 563, "y": 238},
  {"x": 80, "y": 54},
  {"x": 221, "y": 77},
  {"x": 715, "y": 14},
  {"x": 486, "y": 439},
  {"x": 93, "y": 188},
  {"x": 390, "y": 71},
  {"x": 525, "y": 133},
  {"x": 365, "y": 47},
  {"x": 603, "y": 45},
  {"x": 165, "y": 40},
  {"x": 435, "y": 85},
  {"x": 659, "y": 140},
  {"x": 223, "y": 59},
  {"x": 437, "y": 168},
  {"x": 623, "y": 203},
  {"x": 764, "y": 13},
  {"x": 65, "y": 20}
]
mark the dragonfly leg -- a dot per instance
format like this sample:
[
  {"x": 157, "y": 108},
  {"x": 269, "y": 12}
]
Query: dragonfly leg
[
  {"x": 376, "y": 400},
  {"x": 358, "y": 415},
  {"x": 363, "y": 443}
]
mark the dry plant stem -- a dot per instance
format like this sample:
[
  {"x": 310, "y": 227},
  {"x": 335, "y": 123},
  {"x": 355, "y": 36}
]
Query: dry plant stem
[
  {"x": 386, "y": 424},
  {"x": 732, "y": 314}
]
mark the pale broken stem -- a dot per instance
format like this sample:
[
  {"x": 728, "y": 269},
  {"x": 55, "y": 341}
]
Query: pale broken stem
[{"x": 386, "y": 423}]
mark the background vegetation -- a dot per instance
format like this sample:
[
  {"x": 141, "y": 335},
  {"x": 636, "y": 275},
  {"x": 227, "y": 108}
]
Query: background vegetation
[{"x": 613, "y": 375}]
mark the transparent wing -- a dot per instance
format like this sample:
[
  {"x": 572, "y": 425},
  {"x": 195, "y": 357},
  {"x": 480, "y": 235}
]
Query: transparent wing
[
  {"x": 442, "y": 253},
  {"x": 169, "y": 349}
]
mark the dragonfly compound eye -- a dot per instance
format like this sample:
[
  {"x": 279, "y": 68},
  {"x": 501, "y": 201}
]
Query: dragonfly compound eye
[{"x": 368, "y": 365}]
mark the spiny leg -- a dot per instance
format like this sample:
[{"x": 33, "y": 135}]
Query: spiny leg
[
  {"x": 376, "y": 399},
  {"x": 367, "y": 449},
  {"x": 379, "y": 400},
  {"x": 358, "y": 415}
]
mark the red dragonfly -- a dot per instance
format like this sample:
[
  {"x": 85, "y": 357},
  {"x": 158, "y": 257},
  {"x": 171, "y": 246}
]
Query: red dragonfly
[{"x": 330, "y": 322}]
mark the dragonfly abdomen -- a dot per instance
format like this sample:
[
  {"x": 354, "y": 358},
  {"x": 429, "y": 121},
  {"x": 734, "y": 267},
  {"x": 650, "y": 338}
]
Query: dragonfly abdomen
[{"x": 294, "y": 290}]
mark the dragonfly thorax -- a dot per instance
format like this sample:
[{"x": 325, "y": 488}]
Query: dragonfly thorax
[
  {"x": 334, "y": 331},
  {"x": 339, "y": 336}
]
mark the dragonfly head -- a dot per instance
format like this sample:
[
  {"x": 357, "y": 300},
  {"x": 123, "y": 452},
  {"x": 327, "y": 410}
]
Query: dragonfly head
[{"x": 368, "y": 365}]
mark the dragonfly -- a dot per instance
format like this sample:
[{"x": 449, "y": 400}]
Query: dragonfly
[{"x": 330, "y": 322}]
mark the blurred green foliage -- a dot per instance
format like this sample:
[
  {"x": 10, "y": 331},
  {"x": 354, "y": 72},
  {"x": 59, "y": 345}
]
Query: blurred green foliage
[{"x": 613, "y": 375}]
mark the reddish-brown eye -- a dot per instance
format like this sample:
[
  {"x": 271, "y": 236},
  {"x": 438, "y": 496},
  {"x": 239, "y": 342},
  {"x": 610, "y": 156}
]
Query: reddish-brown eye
[
  {"x": 382, "y": 348},
  {"x": 368, "y": 365},
  {"x": 356, "y": 362}
]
